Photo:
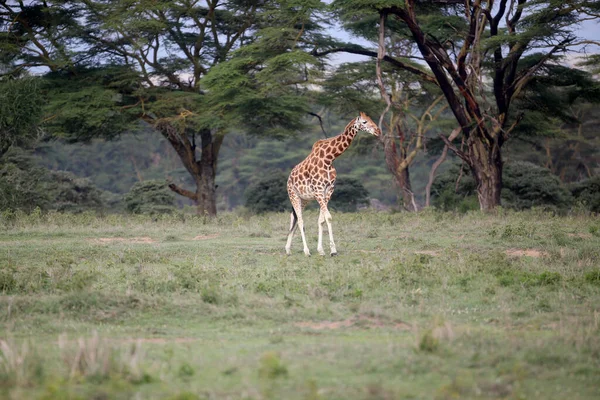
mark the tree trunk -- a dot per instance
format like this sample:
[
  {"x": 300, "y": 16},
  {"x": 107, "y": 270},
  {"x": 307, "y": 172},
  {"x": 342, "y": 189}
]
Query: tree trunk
[
  {"x": 408, "y": 197},
  {"x": 486, "y": 167},
  {"x": 395, "y": 155},
  {"x": 202, "y": 171},
  {"x": 205, "y": 182}
]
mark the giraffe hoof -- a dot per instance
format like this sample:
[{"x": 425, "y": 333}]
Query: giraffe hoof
[
  {"x": 307, "y": 253},
  {"x": 321, "y": 253},
  {"x": 334, "y": 254}
]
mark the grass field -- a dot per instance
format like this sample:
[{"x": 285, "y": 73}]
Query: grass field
[{"x": 415, "y": 306}]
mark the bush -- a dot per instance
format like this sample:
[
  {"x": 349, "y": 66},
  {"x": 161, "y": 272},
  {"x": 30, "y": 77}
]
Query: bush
[
  {"x": 447, "y": 196},
  {"x": 525, "y": 185},
  {"x": 587, "y": 193},
  {"x": 73, "y": 194},
  {"x": 348, "y": 195},
  {"x": 26, "y": 186},
  {"x": 23, "y": 185},
  {"x": 270, "y": 194},
  {"x": 528, "y": 185},
  {"x": 150, "y": 197}
]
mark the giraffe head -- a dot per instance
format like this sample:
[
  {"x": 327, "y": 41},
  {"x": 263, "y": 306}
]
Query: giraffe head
[{"x": 364, "y": 123}]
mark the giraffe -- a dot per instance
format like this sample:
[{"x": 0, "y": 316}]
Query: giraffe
[{"x": 314, "y": 179}]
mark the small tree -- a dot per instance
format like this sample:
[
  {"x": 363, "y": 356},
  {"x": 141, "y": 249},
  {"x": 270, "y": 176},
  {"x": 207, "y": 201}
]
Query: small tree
[
  {"x": 20, "y": 112},
  {"x": 587, "y": 193},
  {"x": 349, "y": 194},
  {"x": 70, "y": 193},
  {"x": 23, "y": 185},
  {"x": 150, "y": 197},
  {"x": 268, "y": 194}
]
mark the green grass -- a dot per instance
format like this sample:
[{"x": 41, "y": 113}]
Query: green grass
[{"x": 415, "y": 306}]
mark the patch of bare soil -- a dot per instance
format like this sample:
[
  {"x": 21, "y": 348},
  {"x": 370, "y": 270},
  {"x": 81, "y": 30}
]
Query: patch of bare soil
[
  {"x": 205, "y": 237},
  {"x": 580, "y": 235},
  {"x": 159, "y": 340},
  {"x": 427, "y": 252},
  {"x": 136, "y": 240},
  {"x": 526, "y": 252},
  {"x": 360, "y": 321}
]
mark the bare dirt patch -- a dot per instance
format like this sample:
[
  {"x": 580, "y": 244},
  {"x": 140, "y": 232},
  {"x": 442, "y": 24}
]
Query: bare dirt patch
[
  {"x": 526, "y": 252},
  {"x": 361, "y": 321},
  {"x": 205, "y": 237},
  {"x": 159, "y": 340},
  {"x": 135, "y": 240},
  {"x": 428, "y": 252},
  {"x": 580, "y": 235}
]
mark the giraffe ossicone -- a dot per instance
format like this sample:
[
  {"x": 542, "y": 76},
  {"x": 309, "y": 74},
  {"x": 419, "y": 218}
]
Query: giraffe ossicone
[{"x": 314, "y": 179}]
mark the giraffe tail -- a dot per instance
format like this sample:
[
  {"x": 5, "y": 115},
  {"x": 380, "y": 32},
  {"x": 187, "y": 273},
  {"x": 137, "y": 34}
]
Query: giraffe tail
[{"x": 293, "y": 220}]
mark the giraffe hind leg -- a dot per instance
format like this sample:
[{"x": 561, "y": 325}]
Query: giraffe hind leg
[
  {"x": 293, "y": 226},
  {"x": 298, "y": 205}
]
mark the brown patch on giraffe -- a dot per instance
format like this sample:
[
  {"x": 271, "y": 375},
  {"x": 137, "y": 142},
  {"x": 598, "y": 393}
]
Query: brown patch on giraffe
[
  {"x": 361, "y": 321},
  {"x": 526, "y": 252},
  {"x": 134, "y": 240}
]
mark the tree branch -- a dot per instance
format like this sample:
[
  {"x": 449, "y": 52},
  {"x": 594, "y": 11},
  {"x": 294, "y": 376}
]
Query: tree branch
[
  {"x": 320, "y": 122},
  {"x": 186, "y": 193},
  {"x": 363, "y": 52}
]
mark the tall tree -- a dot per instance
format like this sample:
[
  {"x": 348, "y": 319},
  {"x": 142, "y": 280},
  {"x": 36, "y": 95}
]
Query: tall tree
[
  {"x": 144, "y": 59},
  {"x": 465, "y": 43}
]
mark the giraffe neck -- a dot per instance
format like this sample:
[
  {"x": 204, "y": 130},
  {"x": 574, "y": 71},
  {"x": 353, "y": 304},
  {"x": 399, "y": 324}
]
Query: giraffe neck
[{"x": 341, "y": 142}]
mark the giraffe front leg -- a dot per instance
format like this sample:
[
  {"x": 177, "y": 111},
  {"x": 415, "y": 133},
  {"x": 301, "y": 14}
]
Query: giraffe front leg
[
  {"x": 301, "y": 226},
  {"x": 320, "y": 242}
]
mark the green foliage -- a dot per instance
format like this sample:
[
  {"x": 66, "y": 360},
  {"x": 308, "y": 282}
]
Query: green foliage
[
  {"x": 73, "y": 194},
  {"x": 587, "y": 193},
  {"x": 268, "y": 193},
  {"x": 528, "y": 185},
  {"x": 94, "y": 102},
  {"x": 20, "y": 112},
  {"x": 23, "y": 185},
  {"x": 525, "y": 185},
  {"x": 449, "y": 192},
  {"x": 150, "y": 197},
  {"x": 348, "y": 195}
]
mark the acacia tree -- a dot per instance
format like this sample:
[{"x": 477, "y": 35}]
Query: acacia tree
[
  {"x": 130, "y": 60},
  {"x": 465, "y": 44}
]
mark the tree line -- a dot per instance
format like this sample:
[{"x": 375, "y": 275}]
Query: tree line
[{"x": 465, "y": 77}]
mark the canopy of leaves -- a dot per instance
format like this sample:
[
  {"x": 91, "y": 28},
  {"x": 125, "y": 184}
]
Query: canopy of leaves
[{"x": 21, "y": 104}]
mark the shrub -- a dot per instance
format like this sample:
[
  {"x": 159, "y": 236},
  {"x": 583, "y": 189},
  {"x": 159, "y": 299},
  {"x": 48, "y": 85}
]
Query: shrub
[
  {"x": 23, "y": 185},
  {"x": 150, "y": 197},
  {"x": 525, "y": 185},
  {"x": 73, "y": 194},
  {"x": 587, "y": 193},
  {"x": 348, "y": 195},
  {"x": 268, "y": 194}
]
